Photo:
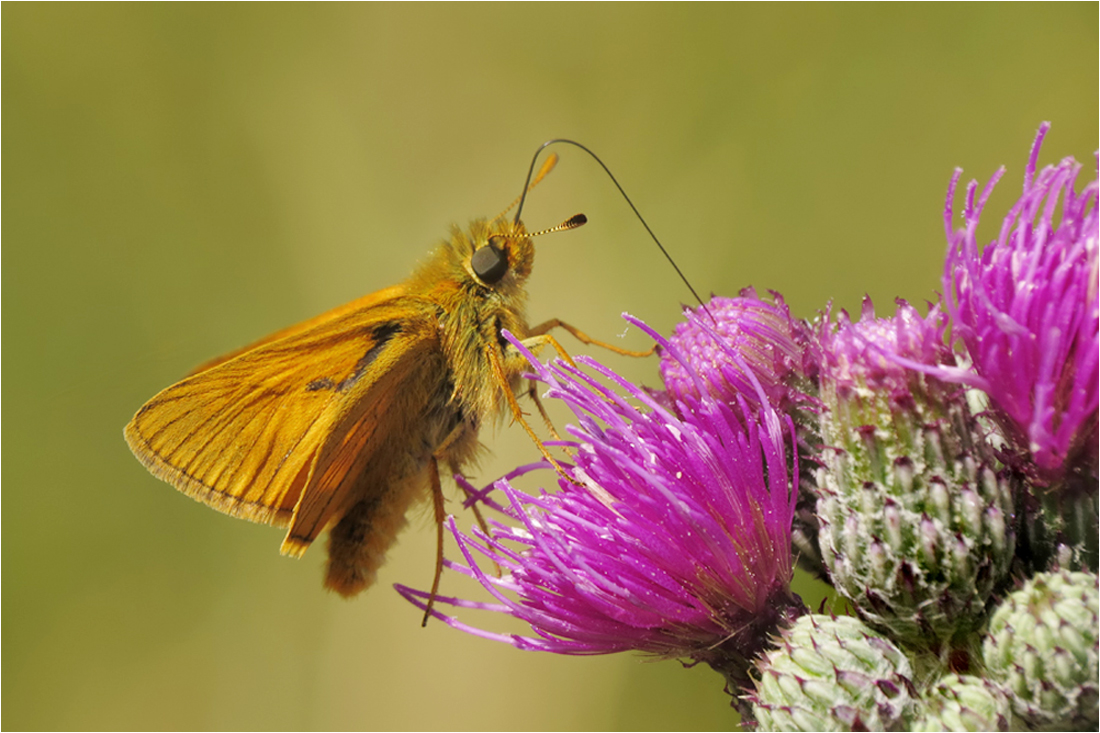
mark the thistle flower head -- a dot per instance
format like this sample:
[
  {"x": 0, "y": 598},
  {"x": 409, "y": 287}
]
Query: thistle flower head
[
  {"x": 726, "y": 339},
  {"x": 1026, "y": 309},
  {"x": 875, "y": 356},
  {"x": 729, "y": 346},
  {"x": 915, "y": 520},
  {"x": 671, "y": 536}
]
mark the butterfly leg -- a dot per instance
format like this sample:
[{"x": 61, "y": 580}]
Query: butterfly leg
[
  {"x": 478, "y": 516},
  {"x": 546, "y": 327},
  {"x": 536, "y": 342},
  {"x": 441, "y": 452},
  {"x": 454, "y": 464},
  {"x": 533, "y": 393},
  {"x": 502, "y": 379},
  {"x": 440, "y": 515}
]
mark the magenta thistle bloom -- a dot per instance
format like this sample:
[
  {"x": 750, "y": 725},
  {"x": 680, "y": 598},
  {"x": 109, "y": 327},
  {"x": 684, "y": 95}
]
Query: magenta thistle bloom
[
  {"x": 1026, "y": 309},
  {"x": 676, "y": 541},
  {"x": 730, "y": 346},
  {"x": 770, "y": 343},
  {"x": 879, "y": 354}
]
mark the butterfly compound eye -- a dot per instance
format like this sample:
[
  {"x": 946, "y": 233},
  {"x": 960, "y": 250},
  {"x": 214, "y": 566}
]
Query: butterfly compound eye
[{"x": 490, "y": 263}]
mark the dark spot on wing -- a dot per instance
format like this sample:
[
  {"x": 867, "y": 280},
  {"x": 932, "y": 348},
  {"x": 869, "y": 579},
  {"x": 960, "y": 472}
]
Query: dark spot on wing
[
  {"x": 382, "y": 335},
  {"x": 379, "y": 336}
]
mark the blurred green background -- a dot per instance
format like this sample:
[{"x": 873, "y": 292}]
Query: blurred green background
[{"x": 182, "y": 179}]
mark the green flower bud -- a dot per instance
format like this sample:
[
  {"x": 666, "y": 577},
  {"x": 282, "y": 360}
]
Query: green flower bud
[
  {"x": 832, "y": 674},
  {"x": 1042, "y": 646},
  {"x": 964, "y": 703},
  {"x": 916, "y": 525}
]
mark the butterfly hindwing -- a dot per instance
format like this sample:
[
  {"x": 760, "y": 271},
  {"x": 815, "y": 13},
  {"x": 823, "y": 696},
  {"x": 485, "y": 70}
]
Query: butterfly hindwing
[{"x": 382, "y": 435}]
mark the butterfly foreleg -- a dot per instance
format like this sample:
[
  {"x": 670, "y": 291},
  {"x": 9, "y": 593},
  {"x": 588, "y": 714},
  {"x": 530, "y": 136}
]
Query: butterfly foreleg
[
  {"x": 533, "y": 393},
  {"x": 501, "y": 377},
  {"x": 545, "y": 327},
  {"x": 536, "y": 342}
]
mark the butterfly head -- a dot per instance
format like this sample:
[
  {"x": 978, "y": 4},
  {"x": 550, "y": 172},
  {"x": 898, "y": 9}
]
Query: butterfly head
[
  {"x": 499, "y": 254},
  {"x": 502, "y": 253}
]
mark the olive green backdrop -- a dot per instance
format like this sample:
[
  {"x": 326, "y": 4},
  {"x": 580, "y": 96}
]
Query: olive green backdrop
[{"x": 181, "y": 179}]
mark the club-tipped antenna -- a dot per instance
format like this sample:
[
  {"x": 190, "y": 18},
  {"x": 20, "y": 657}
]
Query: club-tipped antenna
[
  {"x": 577, "y": 220},
  {"x": 527, "y": 186}
]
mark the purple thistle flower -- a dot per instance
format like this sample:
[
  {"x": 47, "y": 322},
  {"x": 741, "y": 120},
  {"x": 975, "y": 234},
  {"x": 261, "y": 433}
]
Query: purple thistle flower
[
  {"x": 880, "y": 354},
  {"x": 1026, "y": 309},
  {"x": 772, "y": 345},
  {"x": 729, "y": 346},
  {"x": 672, "y": 536}
]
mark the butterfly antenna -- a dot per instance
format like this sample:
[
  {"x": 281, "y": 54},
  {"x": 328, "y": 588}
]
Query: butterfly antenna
[
  {"x": 577, "y": 220},
  {"x": 548, "y": 166},
  {"x": 528, "y": 185}
]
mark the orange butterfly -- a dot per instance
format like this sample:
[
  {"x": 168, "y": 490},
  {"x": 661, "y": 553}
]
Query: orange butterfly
[{"x": 340, "y": 422}]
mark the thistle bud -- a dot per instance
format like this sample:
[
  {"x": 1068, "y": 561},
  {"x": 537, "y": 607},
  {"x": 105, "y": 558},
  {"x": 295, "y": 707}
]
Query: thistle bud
[
  {"x": 1042, "y": 646},
  {"x": 834, "y": 673},
  {"x": 965, "y": 703},
  {"x": 916, "y": 523}
]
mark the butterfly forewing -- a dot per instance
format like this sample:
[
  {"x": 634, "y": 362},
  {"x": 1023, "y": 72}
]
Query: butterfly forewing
[{"x": 243, "y": 435}]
